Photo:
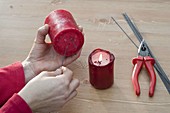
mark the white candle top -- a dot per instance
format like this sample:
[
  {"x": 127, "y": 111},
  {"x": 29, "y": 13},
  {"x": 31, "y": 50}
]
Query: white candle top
[{"x": 101, "y": 58}]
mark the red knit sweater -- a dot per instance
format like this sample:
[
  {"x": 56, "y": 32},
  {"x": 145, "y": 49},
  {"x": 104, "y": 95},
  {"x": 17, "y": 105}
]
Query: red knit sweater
[{"x": 12, "y": 80}]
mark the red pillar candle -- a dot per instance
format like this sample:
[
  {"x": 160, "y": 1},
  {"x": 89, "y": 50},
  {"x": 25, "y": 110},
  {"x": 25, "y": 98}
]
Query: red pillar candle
[
  {"x": 64, "y": 33},
  {"x": 101, "y": 65}
]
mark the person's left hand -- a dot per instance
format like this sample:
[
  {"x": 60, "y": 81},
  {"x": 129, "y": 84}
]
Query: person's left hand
[{"x": 43, "y": 57}]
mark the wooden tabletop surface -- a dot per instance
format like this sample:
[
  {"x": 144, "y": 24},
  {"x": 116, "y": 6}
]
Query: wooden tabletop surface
[{"x": 20, "y": 19}]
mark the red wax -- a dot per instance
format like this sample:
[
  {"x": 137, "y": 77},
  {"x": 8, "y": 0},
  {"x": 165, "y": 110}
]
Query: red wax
[
  {"x": 101, "y": 69},
  {"x": 64, "y": 33}
]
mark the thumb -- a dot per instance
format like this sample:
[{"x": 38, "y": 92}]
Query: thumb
[
  {"x": 55, "y": 73},
  {"x": 41, "y": 34},
  {"x": 59, "y": 71}
]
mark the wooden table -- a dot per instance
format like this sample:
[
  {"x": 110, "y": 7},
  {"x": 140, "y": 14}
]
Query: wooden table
[{"x": 20, "y": 19}]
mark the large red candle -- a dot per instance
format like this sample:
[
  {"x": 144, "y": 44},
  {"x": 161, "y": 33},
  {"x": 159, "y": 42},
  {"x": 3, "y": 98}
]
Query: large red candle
[
  {"x": 101, "y": 65},
  {"x": 64, "y": 33}
]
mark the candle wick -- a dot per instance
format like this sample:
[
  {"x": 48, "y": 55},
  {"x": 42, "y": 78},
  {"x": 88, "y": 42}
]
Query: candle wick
[{"x": 99, "y": 62}]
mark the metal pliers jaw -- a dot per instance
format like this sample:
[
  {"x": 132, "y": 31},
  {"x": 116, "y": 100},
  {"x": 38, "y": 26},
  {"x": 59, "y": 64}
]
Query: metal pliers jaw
[
  {"x": 143, "y": 49},
  {"x": 143, "y": 58}
]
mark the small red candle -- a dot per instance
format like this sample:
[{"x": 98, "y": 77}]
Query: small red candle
[
  {"x": 64, "y": 33},
  {"x": 101, "y": 65}
]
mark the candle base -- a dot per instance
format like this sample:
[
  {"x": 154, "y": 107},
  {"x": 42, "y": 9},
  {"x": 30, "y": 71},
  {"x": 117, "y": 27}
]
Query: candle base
[{"x": 101, "y": 87}]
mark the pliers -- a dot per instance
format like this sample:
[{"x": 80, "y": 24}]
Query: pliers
[{"x": 143, "y": 58}]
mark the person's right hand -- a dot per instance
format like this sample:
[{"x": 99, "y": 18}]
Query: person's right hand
[{"x": 49, "y": 91}]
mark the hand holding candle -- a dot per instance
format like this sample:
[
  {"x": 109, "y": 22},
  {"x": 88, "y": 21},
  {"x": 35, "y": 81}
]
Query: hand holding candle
[
  {"x": 64, "y": 33},
  {"x": 101, "y": 68}
]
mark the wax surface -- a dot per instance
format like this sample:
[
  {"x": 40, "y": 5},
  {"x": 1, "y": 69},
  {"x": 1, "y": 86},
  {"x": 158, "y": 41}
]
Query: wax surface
[
  {"x": 104, "y": 61},
  {"x": 64, "y": 32}
]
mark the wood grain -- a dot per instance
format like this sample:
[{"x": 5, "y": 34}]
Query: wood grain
[{"x": 20, "y": 19}]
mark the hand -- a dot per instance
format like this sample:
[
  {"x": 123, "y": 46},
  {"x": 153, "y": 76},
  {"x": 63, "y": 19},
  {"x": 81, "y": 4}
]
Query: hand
[
  {"x": 43, "y": 57},
  {"x": 49, "y": 91}
]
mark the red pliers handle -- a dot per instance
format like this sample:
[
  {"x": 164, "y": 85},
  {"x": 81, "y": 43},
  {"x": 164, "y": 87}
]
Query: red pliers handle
[{"x": 138, "y": 64}]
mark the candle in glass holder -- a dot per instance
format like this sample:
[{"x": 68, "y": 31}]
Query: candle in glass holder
[
  {"x": 64, "y": 33},
  {"x": 101, "y": 65}
]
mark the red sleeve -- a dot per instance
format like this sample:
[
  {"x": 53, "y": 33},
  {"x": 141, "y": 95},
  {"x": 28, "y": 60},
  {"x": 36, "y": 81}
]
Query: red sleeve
[
  {"x": 15, "y": 105},
  {"x": 12, "y": 80}
]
